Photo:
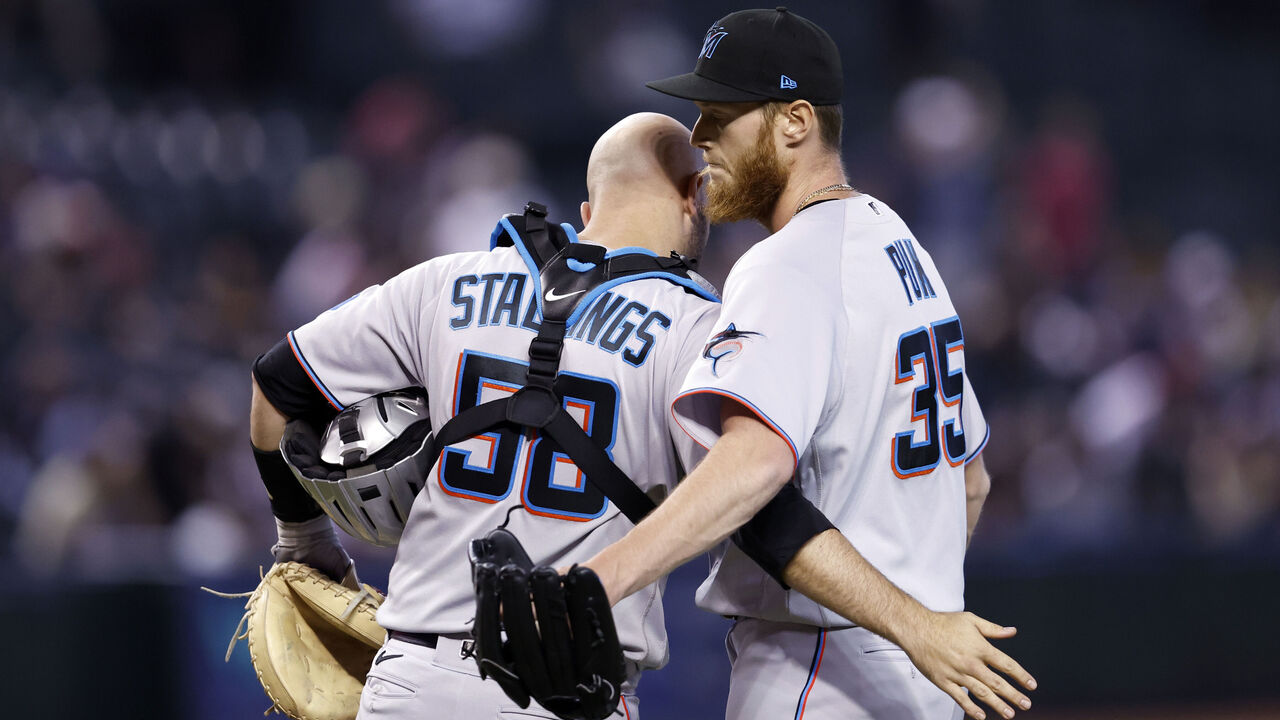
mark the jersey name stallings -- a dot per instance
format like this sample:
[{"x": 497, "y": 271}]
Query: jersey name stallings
[{"x": 613, "y": 322}]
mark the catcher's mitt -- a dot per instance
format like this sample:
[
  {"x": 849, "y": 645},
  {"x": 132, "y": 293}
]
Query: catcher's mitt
[
  {"x": 561, "y": 647},
  {"x": 311, "y": 640}
]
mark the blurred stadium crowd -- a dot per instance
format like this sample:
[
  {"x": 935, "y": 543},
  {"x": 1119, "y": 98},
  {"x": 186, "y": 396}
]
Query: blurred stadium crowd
[{"x": 181, "y": 183}]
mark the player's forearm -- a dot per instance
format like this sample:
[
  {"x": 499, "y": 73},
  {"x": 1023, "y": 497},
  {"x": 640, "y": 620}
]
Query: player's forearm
[
  {"x": 289, "y": 502},
  {"x": 739, "y": 475},
  {"x": 266, "y": 423},
  {"x": 829, "y": 570},
  {"x": 977, "y": 484}
]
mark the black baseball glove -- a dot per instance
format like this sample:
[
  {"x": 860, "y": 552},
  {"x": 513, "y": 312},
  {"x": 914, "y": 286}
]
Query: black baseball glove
[{"x": 543, "y": 635}]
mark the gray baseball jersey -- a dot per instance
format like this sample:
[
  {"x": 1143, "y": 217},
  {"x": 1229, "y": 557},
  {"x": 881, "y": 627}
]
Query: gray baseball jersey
[
  {"x": 839, "y": 333},
  {"x": 460, "y": 326}
]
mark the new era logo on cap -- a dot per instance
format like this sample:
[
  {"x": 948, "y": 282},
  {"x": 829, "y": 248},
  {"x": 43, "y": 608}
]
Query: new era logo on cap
[{"x": 787, "y": 83}]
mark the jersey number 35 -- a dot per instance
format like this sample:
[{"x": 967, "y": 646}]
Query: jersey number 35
[{"x": 924, "y": 357}]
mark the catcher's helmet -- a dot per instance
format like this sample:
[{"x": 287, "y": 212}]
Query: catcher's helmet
[{"x": 369, "y": 464}]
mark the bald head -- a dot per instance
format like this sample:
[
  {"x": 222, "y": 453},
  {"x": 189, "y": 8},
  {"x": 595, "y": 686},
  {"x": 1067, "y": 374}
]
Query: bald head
[
  {"x": 643, "y": 188},
  {"x": 646, "y": 155}
]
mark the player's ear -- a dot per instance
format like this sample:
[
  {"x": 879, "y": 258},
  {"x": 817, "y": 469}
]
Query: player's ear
[
  {"x": 797, "y": 120},
  {"x": 585, "y": 210},
  {"x": 692, "y": 193}
]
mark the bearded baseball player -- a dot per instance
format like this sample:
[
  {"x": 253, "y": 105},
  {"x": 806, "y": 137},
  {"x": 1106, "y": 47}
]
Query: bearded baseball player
[
  {"x": 837, "y": 364},
  {"x": 460, "y": 326}
]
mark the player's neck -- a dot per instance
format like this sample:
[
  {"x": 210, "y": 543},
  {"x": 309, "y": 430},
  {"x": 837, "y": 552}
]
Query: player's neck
[
  {"x": 620, "y": 229},
  {"x": 807, "y": 177}
]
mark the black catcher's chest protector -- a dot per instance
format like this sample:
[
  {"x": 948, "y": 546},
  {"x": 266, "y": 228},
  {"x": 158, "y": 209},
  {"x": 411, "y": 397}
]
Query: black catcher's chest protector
[{"x": 569, "y": 275}]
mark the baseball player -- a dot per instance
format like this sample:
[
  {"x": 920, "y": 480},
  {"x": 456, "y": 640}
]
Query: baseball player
[
  {"x": 460, "y": 326},
  {"x": 837, "y": 363}
]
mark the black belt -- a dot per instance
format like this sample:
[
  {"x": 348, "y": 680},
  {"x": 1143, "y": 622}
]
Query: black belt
[{"x": 423, "y": 639}]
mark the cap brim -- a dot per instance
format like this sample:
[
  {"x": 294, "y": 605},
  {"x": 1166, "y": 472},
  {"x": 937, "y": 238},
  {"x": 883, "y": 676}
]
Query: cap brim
[{"x": 692, "y": 86}]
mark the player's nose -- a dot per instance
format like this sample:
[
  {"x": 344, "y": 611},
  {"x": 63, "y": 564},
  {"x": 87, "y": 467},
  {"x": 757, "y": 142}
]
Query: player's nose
[{"x": 700, "y": 137}]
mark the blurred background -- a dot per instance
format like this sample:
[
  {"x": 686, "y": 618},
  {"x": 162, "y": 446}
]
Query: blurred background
[{"x": 183, "y": 182}]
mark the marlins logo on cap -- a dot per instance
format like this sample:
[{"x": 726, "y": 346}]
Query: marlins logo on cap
[{"x": 714, "y": 36}]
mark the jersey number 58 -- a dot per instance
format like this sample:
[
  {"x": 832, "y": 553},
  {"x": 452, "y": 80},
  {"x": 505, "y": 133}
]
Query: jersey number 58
[{"x": 486, "y": 468}]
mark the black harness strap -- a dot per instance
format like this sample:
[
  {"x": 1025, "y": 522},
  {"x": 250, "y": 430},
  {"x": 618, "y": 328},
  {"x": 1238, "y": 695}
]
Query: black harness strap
[
  {"x": 568, "y": 272},
  {"x": 539, "y": 243},
  {"x": 599, "y": 469},
  {"x": 485, "y": 415}
]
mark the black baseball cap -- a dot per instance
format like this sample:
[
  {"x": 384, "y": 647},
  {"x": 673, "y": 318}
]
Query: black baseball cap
[{"x": 754, "y": 55}]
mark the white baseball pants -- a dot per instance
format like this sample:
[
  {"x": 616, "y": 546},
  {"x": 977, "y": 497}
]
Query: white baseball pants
[
  {"x": 800, "y": 672},
  {"x": 412, "y": 682}
]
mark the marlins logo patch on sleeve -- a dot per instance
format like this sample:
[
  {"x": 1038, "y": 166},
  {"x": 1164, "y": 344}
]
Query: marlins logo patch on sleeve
[{"x": 726, "y": 345}]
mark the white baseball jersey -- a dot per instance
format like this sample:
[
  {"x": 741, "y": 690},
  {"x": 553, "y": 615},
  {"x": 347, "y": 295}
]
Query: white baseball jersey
[
  {"x": 460, "y": 326},
  {"x": 838, "y": 332}
]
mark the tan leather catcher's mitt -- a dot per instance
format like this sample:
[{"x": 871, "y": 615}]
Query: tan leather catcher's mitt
[{"x": 311, "y": 640}]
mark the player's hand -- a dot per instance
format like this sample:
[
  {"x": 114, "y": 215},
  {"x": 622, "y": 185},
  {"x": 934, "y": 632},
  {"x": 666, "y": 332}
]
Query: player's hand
[
  {"x": 313, "y": 543},
  {"x": 953, "y": 651}
]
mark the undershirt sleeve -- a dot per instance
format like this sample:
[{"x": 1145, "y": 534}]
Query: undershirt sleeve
[{"x": 287, "y": 386}]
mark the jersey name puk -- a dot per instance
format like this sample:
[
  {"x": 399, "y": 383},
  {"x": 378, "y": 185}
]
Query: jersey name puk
[
  {"x": 915, "y": 282},
  {"x": 614, "y": 322}
]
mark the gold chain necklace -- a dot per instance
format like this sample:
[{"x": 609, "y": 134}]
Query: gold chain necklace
[{"x": 822, "y": 191}]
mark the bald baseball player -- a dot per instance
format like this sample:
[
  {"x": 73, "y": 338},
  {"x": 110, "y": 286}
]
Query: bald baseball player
[
  {"x": 469, "y": 318},
  {"x": 838, "y": 364}
]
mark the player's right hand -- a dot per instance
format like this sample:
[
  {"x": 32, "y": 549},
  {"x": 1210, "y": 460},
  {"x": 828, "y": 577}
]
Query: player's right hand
[{"x": 953, "y": 651}]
